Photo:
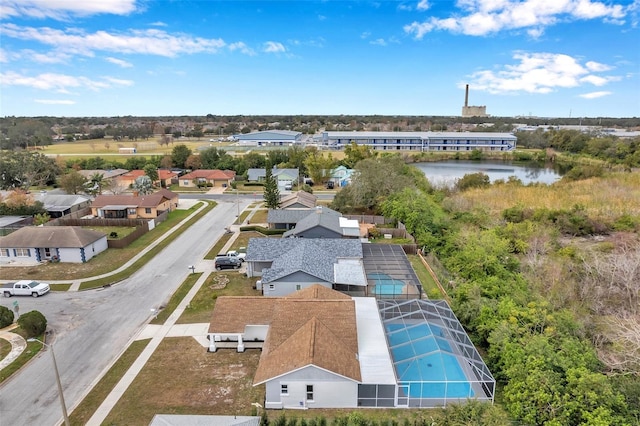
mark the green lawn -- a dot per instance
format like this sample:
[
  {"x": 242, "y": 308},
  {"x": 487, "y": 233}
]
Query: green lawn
[
  {"x": 121, "y": 231},
  {"x": 217, "y": 248},
  {"x": 5, "y": 348},
  {"x": 32, "y": 350},
  {"x": 176, "y": 298}
]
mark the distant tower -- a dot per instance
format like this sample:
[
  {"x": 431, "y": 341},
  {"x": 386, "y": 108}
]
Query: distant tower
[{"x": 472, "y": 111}]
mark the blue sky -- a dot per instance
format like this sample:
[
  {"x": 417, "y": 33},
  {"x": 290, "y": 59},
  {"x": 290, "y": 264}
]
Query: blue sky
[{"x": 548, "y": 58}]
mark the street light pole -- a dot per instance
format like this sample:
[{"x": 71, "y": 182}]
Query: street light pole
[{"x": 55, "y": 368}]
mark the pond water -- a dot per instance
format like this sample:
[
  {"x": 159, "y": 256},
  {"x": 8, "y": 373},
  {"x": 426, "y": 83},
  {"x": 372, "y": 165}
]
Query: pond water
[{"x": 447, "y": 172}]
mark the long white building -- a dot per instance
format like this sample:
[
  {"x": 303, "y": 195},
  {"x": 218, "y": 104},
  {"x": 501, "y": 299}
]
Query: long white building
[{"x": 422, "y": 141}]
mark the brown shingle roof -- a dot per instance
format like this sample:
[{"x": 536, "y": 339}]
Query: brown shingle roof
[
  {"x": 233, "y": 313},
  {"x": 151, "y": 200},
  {"x": 301, "y": 197},
  {"x": 312, "y": 344},
  {"x": 50, "y": 236},
  {"x": 315, "y": 326},
  {"x": 210, "y": 174}
]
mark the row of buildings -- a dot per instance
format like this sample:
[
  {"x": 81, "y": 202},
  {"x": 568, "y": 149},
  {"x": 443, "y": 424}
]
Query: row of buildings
[
  {"x": 387, "y": 141},
  {"x": 344, "y": 323}
]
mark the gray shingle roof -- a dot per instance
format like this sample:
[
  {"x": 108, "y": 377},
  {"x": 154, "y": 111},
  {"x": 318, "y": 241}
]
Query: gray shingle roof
[
  {"x": 51, "y": 236},
  {"x": 295, "y": 215},
  {"x": 320, "y": 218},
  {"x": 315, "y": 256}
]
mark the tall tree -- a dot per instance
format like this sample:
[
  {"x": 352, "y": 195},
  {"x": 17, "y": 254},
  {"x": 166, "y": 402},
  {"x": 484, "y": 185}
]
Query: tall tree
[
  {"x": 179, "y": 155},
  {"x": 151, "y": 171},
  {"x": 271, "y": 192},
  {"x": 72, "y": 182},
  {"x": 95, "y": 184}
]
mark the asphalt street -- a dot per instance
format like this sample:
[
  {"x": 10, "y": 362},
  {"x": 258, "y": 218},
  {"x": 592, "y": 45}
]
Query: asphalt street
[{"x": 93, "y": 327}]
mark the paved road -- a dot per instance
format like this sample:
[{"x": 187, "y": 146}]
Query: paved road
[
  {"x": 93, "y": 327},
  {"x": 232, "y": 198}
]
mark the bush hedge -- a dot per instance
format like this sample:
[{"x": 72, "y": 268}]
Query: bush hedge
[
  {"x": 33, "y": 323},
  {"x": 6, "y": 317}
]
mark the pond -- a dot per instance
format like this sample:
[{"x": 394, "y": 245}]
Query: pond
[{"x": 447, "y": 172}]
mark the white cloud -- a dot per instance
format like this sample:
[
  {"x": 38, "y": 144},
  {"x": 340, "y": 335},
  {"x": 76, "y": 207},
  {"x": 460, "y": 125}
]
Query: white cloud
[
  {"x": 274, "y": 47},
  {"x": 539, "y": 73},
  {"x": 595, "y": 95},
  {"x": 378, "y": 42},
  {"x": 59, "y": 83},
  {"x": 120, "y": 62},
  {"x": 158, "y": 24},
  {"x": 321, "y": 17},
  {"x": 423, "y": 5},
  {"x": 242, "y": 48},
  {"x": 483, "y": 17},
  {"x": 365, "y": 34},
  {"x": 64, "y": 9},
  {"x": 405, "y": 7},
  {"x": 55, "y": 101},
  {"x": 150, "y": 42}
]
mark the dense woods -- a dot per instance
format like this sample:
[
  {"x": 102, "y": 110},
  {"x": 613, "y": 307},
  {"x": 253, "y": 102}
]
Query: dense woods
[{"x": 546, "y": 287}]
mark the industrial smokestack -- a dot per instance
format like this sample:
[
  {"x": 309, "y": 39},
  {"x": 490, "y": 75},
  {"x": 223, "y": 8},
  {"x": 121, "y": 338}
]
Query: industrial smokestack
[{"x": 466, "y": 96}]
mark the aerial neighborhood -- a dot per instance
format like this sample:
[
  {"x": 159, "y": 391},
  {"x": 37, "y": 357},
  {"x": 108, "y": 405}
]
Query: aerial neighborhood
[{"x": 297, "y": 273}]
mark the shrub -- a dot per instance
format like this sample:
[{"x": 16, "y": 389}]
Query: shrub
[
  {"x": 473, "y": 180},
  {"x": 6, "y": 317},
  {"x": 33, "y": 323},
  {"x": 476, "y": 154},
  {"x": 113, "y": 234}
]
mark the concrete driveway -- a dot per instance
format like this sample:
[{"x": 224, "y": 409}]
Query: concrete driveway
[{"x": 93, "y": 327}]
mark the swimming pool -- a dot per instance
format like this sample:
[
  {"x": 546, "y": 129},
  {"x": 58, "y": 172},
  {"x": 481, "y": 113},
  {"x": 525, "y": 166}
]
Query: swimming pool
[
  {"x": 425, "y": 364},
  {"x": 385, "y": 285}
]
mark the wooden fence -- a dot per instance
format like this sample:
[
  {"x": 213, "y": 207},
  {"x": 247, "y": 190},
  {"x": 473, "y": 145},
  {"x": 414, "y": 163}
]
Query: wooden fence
[
  {"x": 369, "y": 218},
  {"x": 125, "y": 241}
]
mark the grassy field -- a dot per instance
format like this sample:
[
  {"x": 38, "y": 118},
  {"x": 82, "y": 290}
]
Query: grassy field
[
  {"x": 260, "y": 216},
  {"x": 603, "y": 198},
  {"x": 224, "y": 283},
  {"x": 32, "y": 350},
  {"x": 217, "y": 248},
  {"x": 193, "y": 381},
  {"x": 5, "y": 348},
  {"x": 122, "y": 231}
]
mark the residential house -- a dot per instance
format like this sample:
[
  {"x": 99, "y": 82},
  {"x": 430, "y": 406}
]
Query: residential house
[
  {"x": 298, "y": 200},
  {"x": 323, "y": 349},
  {"x": 134, "y": 206},
  {"x": 106, "y": 174},
  {"x": 324, "y": 224},
  {"x": 58, "y": 205},
  {"x": 68, "y": 244},
  {"x": 289, "y": 264},
  {"x": 341, "y": 176},
  {"x": 309, "y": 346},
  {"x": 285, "y": 178},
  {"x": 8, "y": 224},
  {"x": 128, "y": 179},
  {"x": 166, "y": 178},
  {"x": 214, "y": 178}
]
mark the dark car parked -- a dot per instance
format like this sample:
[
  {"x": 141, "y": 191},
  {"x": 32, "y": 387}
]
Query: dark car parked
[{"x": 226, "y": 262}]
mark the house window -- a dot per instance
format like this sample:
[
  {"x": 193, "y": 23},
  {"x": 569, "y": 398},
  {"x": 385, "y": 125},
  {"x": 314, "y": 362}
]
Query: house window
[
  {"x": 272, "y": 286},
  {"x": 21, "y": 252},
  {"x": 147, "y": 210},
  {"x": 131, "y": 211},
  {"x": 284, "y": 389},
  {"x": 297, "y": 286},
  {"x": 185, "y": 182},
  {"x": 4, "y": 252},
  {"x": 309, "y": 392},
  {"x": 47, "y": 252}
]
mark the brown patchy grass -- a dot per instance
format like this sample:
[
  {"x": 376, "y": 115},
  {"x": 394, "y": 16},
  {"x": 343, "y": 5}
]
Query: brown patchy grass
[
  {"x": 260, "y": 216},
  {"x": 604, "y": 198},
  {"x": 217, "y": 248},
  {"x": 83, "y": 412},
  {"x": 181, "y": 377},
  {"x": 201, "y": 306},
  {"x": 243, "y": 239}
]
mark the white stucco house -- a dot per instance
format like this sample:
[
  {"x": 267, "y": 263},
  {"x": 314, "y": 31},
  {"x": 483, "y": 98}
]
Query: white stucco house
[{"x": 35, "y": 244}]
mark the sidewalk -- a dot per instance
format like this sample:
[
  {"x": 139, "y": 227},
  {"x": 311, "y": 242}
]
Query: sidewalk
[{"x": 18, "y": 344}]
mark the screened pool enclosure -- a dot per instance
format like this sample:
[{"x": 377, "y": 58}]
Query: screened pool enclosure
[{"x": 434, "y": 359}]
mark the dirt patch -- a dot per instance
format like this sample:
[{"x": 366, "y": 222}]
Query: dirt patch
[{"x": 181, "y": 377}]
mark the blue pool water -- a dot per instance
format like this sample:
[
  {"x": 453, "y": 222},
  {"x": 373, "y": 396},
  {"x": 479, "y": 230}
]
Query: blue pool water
[
  {"x": 424, "y": 357},
  {"x": 386, "y": 285}
]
